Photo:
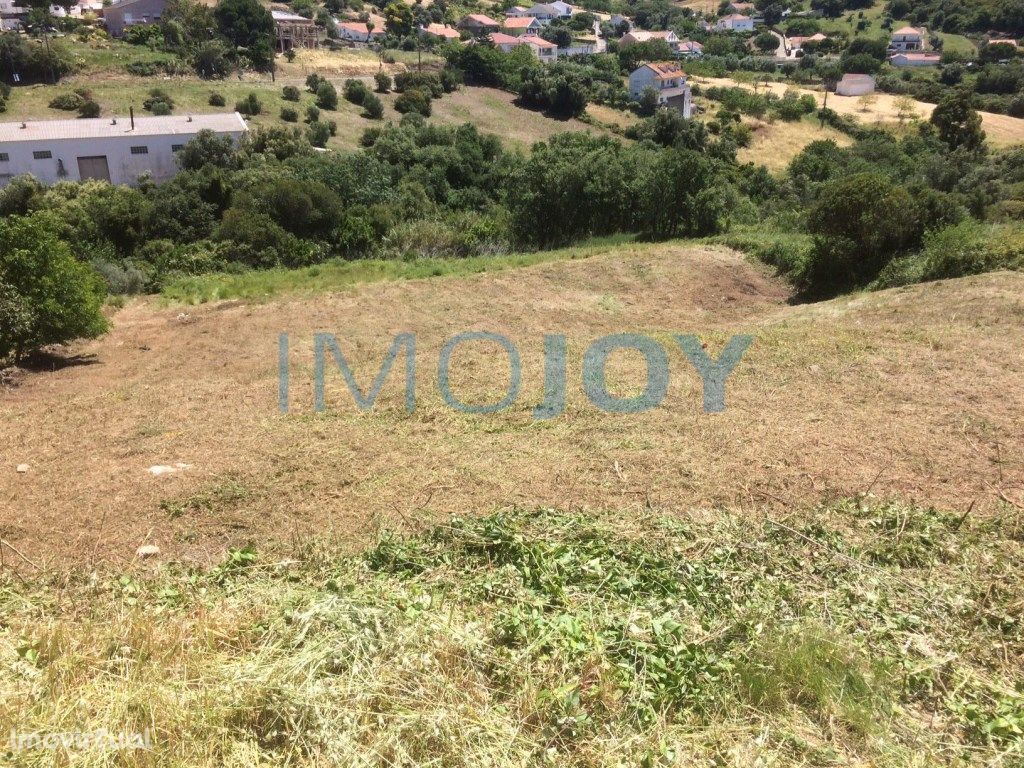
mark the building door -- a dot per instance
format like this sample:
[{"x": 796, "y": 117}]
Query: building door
[{"x": 93, "y": 168}]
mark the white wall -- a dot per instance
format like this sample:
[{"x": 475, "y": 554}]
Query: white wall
[{"x": 125, "y": 168}]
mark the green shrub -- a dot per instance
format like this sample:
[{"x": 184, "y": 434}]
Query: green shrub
[
  {"x": 373, "y": 107},
  {"x": 158, "y": 102},
  {"x": 217, "y": 100},
  {"x": 289, "y": 115},
  {"x": 68, "y": 102},
  {"x": 971, "y": 248},
  {"x": 318, "y": 133},
  {"x": 47, "y": 296},
  {"x": 312, "y": 113},
  {"x": 290, "y": 93},
  {"x": 356, "y": 91},
  {"x": 413, "y": 101},
  {"x": 326, "y": 96},
  {"x": 383, "y": 81},
  {"x": 250, "y": 105},
  {"x": 89, "y": 109}
]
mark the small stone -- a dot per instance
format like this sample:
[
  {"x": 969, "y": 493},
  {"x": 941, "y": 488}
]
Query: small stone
[
  {"x": 148, "y": 550},
  {"x": 22, "y": 468}
]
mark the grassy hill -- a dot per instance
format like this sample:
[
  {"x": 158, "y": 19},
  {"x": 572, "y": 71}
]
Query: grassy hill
[{"x": 670, "y": 588}]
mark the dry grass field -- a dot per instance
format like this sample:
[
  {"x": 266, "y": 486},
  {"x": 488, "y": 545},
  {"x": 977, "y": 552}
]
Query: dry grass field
[
  {"x": 776, "y": 143},
  {"x": 1002, "y": 130},
  {"x": 913, "y": 392},
  {"x": 770, "y": 585}
]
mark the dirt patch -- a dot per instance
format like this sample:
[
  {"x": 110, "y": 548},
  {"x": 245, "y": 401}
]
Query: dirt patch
[{"x": 915, "y": 392}]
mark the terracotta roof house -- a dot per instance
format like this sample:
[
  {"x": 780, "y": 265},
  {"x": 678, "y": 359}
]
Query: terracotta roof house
[
  {"x": 915, "y": 59},
  {"x": 798, "y": 42},
  {"x": 543, "y": 49},
  {"x": 691, "y": 49},
  {"x": 504, "y": 42},
  {"x": 907, "y": 39},
  {"x": 669, "y": 82},
  {"x": 479, "y": 24},
  {"x": 643, "y": 36},
  {"x": 521, "y": 25},
  {"x": 441, "y": 32},
  {"x": 358, "y": 32}
]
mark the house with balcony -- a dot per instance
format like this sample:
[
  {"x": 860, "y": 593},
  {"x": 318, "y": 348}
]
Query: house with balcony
[
  {"x": 667, "y": 80},
  {"x": 907, "y": 39}
]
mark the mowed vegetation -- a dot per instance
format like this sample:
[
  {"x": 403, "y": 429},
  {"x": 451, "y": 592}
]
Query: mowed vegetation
[{"x": 858, "y": 632}]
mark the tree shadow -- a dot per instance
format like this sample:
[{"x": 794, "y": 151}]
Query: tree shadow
[{"x": 43, "y": 361}]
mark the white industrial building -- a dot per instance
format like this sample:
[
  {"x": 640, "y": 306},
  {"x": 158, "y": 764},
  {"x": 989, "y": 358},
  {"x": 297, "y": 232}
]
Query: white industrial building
[{"x": 118, "y": 150}]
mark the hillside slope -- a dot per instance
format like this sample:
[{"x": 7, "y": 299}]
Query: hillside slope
[{"x": 914, "y": 392}]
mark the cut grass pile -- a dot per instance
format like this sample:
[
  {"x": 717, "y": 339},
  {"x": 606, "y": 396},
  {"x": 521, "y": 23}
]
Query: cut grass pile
[{"x": 861, "y": 632}]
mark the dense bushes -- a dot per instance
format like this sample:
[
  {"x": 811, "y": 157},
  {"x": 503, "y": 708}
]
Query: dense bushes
[{"x": 46, "y": 294}]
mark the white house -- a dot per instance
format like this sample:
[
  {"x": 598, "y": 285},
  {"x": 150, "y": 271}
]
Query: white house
[
  {"x": 118, "y": 150},
  {"x": 545, "y": 13},
  {"x": 735, "y": 22},
  {"x": 358, "y": 32},
  {"x": 668, "y": 81},
  {"x": 907, "y": 39},
  {"x": 564, "y": 9},
  {"x": 916, "y": 59},
  {"x": 855, "y": 85}
]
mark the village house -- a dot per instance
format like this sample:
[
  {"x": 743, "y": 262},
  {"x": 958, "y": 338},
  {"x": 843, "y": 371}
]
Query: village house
[
  {"x": 667, "y": 80},
  {"x": 617, "y": 20},
  {"x": 545, "y": 13},
  {"x": 518, "y": 11},
  {"x": 118, "y": 150},
  {"x": 691, "y": 49},
  {"x": 855, "y": 85},
  {"x": 478, "y": 24},
  {"x": 735, "y": 22},
  {"x": 294, "y": 31},
  {"x": 916, "y": 59},
  {"x": 797, "y": 43},
  {"x": 358, "y": 32},
  {"x": 440, "y": 32},
  {"x": 521, "y": 25},
  {"x": 907, "y": 39},
  {"x": 131, "y": 12},
  {"x": 540, "y": 47},
  {"x": 643, "y": 36},
  {"x": 564, "y": 9}
]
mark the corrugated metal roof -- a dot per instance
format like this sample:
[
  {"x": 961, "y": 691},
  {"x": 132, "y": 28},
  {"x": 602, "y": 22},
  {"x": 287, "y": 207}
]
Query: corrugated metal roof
[{"x": 106, "y": 127}]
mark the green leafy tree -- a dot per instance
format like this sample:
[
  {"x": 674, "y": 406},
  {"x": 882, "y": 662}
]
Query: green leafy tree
[
  {"x": 207, "y": 148},
  {"x": 249, "y": 27},
  {"x": 398, "y": 19},
  {"x": 958, "y": 122},
  {"x": 326, "y": 96},
  {"x": 47, "y": 296}
]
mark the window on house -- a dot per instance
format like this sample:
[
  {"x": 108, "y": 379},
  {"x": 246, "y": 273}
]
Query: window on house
[
  {"x": 177, "y": 147},
  {"x": 140, "y": 150},
  {"x": 4, "y": 157},
  {"x": 42, "y": 154}
]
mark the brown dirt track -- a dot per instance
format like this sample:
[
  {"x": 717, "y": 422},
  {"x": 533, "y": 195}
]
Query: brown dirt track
[{"x": 914, "y": 392}]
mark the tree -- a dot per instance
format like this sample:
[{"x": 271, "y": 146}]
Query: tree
[
  {"x": 906, "y": 108},
  {"x": 867, "y": 101},
  {"x": 47, "y": 296},
  {"x": 647, "y": 105},
  {"x": 398, "y": 19},
  {"x": 959, "y": 124},
  {"x": 383, "y": 80},
  {"x": 249, "y": 27},
  {"x": 766, "y": 41},
  {"x": 207, "y": 148}
]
